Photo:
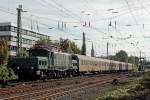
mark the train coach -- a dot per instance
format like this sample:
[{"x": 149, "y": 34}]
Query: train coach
[
  {"x": 43, "y": 63},
  {"x": 94, "y": 65}
]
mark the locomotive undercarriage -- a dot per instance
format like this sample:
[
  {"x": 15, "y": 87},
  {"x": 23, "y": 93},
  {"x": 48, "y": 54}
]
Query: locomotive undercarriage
[{"x": 45, "y": 74}]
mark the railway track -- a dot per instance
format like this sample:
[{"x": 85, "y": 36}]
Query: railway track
[
  {"x": 71, "y": 90},
  {"x": 22, "y": 87},
  {"x": 48, "y": 90}
]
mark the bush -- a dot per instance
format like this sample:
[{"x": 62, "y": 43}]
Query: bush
[
  {"x": 6, "y": 73},
  {"x": 146, "y": 80},
  {"x": 126, "y": 91},
  {"x": 135, "y": 68}
]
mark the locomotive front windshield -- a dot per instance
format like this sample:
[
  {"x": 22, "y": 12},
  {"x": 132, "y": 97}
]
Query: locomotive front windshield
[
  {"x": 26, "y": 63},
  {"x": 38, "y": 52}
]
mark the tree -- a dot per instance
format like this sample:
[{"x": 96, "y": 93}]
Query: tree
[
  {"x": 83, "y": 50},
  {"x": 24, "y": 53},
  {"x": 64, "y": 45},
  {"x": 68, "y": 46},
  {"x": 133, "y": 60},
  {"x": 4, "y": 50},
  {"x": 73, "y": 48},
  {"x": 122, "y": 56},
  {"x": 42, "y": 42}
]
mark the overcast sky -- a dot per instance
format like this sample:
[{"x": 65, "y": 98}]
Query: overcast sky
[{"x": 131, "y": 18}]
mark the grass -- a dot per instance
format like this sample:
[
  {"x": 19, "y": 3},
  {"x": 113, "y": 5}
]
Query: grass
[{"x": 121, "y": 92}]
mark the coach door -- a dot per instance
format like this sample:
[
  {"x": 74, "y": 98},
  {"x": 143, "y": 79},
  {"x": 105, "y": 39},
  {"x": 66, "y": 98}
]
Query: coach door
[{"x": 120, "y": 67}]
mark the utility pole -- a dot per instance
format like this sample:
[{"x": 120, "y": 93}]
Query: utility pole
[
  {"x": 19, "y": 34},
  {"x": 107, "y": 50},
  {"x": 141, "y": 63},
  {"x": 19, "y": 31}
]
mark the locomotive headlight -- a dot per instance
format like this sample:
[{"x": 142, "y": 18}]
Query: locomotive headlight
[
  {"x": 38, "y": 72},
  {"x": 18, "y": 68}
]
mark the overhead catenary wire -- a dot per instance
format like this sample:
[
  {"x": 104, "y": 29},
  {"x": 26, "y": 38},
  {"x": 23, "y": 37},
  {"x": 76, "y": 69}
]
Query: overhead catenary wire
[
  {"x": 65, "y": 12},
  {"x": 76, "y": 20},
  {"x": 103, "y": 32}
]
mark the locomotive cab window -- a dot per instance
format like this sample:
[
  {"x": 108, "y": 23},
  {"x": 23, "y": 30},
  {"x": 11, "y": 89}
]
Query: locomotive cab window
[
  {"x": 43, "y": 63},
  {"x": 40, "y": 62}
]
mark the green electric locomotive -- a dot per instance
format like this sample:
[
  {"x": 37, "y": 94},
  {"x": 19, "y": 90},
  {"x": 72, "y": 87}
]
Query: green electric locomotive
[{"x": 43, "y": 63}]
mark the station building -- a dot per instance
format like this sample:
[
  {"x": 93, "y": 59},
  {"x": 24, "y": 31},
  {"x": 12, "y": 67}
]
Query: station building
[{"x": 9, "y": 31}]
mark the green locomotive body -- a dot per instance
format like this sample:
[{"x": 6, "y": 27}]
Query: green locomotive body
[{"x": 44, "y": 63}]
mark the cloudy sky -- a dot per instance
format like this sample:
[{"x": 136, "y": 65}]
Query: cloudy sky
[{"x": 125, "y": 24}]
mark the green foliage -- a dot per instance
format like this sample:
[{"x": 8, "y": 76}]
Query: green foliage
[
  {"x": 83, "y": 49},
  {"x": 24, "y": 53},
  {"x": 122, "y": 92},
  {"x": 43, "y": 42},
  {"x": 73, "y": 48},
  {"x": 65, "y": 45},
  {"x": 6, "y": 73},
  {"x": 122, "y": 56},
  {"x": 135, "y": 89},
  {"x": 146, "y": 80},
  {"x": 133, "y": 60},
  {"x": 4, "y": 50},
  {"x": 69, "y": 46},
  {"x": 135, "y": 68}
]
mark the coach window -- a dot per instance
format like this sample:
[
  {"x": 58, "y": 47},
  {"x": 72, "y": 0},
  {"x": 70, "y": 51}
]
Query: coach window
[
  {"x": 45, "y": 62},
  {"x": 6, "y": 28},
  {"x": 1, "y": 28}
]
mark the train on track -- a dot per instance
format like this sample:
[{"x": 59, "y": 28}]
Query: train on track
[{"x": 43, "y": 63}]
